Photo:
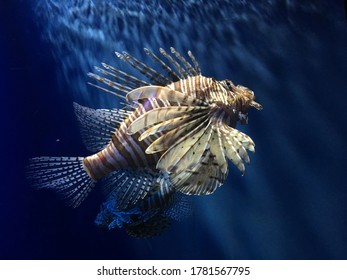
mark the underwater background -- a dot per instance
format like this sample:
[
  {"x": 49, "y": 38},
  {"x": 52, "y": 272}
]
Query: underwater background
[{"x": 292, "y": 201}]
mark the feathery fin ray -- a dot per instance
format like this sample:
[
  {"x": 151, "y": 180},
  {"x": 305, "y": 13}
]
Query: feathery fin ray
[
  {"x": 65, "y": 175},
  {"x": 98, "y": 125},
  {"x": 173, "y": 76}
]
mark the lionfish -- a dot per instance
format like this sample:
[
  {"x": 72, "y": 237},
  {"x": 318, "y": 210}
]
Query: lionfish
[{"x": 171, "y": 140}]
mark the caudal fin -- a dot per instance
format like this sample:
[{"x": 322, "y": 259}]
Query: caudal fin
[{"x": 65, "y": 175}]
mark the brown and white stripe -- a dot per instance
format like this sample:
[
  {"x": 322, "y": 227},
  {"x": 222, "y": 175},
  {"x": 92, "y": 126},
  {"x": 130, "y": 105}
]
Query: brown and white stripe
[
  {"x": 203, "y": 88},
  {"x": 124, "y": 150}
]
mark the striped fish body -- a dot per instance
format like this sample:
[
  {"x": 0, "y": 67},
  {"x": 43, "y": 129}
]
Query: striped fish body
[
  {"x": 203, "y": 88},
  {"x": 126, "y": 151}
]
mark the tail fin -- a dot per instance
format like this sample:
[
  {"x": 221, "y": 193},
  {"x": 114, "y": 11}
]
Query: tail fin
[{"x": 66, "y": 175}]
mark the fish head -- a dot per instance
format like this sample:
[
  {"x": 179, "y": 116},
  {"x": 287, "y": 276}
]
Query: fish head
[{"x": 241, "y": 99}]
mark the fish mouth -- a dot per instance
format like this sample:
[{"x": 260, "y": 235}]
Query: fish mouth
[{"x": 256, "y": 105}]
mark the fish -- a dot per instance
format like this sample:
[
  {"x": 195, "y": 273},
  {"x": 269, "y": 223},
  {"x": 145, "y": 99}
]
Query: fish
[{"x": 171, "y": 140}]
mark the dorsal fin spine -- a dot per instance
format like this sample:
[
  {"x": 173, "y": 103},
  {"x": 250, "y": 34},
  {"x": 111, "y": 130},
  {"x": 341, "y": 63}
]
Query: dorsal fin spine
[
  {"x": 149, "y": 72},
  {"x": 169, "y": 71},
  {"x": 189, "y": 67},
  {"x": 182, "y": 72},
  {"x": 195, "y": 62}
]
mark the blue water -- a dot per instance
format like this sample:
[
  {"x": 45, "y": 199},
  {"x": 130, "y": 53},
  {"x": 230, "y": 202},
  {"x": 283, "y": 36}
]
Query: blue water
[{"x": 292, "y": 201}]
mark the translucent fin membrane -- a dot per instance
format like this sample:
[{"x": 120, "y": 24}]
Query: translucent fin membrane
[
  {"x": 160, "y": 195},
  {"x": 180, "y": 207},
  {"x": 65, "y": 175},
  {"x": 98, "y": 125},
  {"x": 202, "y": 179},
  {"x": 129, "y": 185}
]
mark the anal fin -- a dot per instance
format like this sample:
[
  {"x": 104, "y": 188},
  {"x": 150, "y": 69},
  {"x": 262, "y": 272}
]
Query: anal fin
[{"x": 130, "y": 185}]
